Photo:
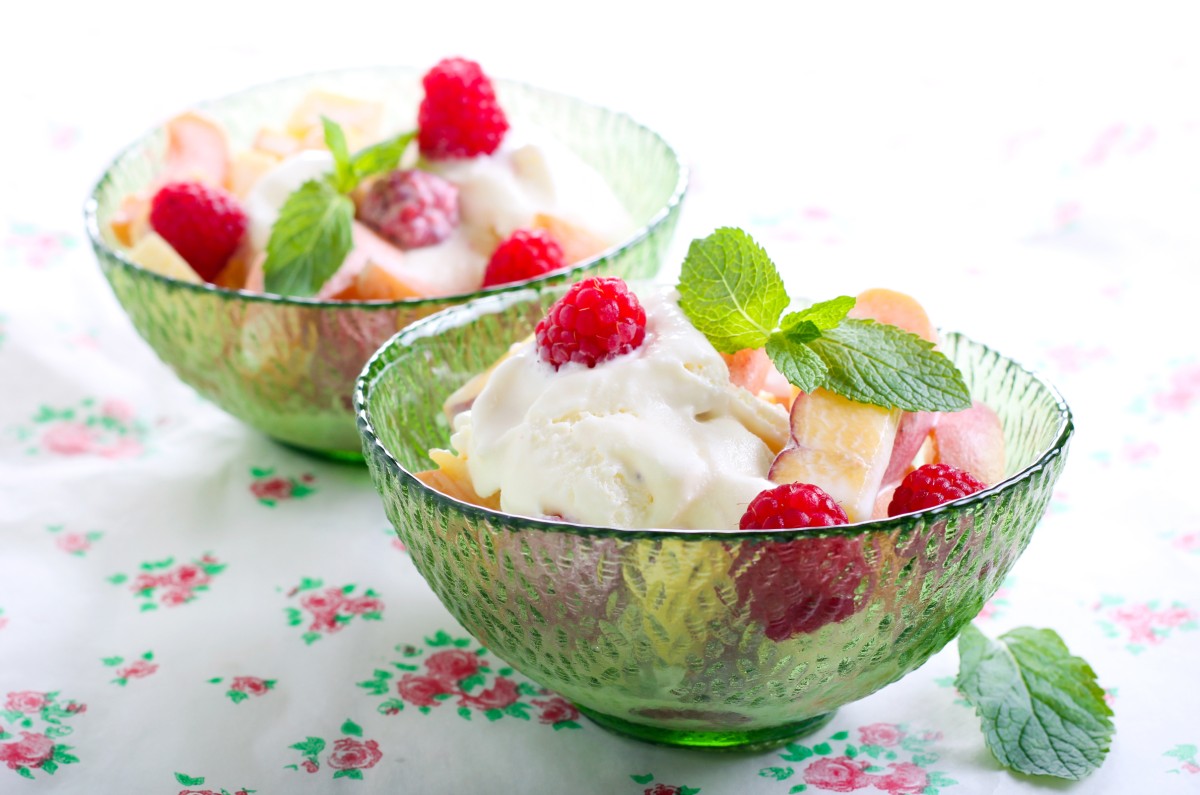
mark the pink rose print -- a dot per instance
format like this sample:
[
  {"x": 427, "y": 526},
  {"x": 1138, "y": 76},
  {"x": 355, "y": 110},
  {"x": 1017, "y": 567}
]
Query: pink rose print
[
  {"x": 271, "y": 489},
  {"x": 500, "y": 695},
  {"x": 42, "y": 248},
  {"x": 452, "y": 665},
  {"x": 883, "y": 734},
  {"x": 421, "y": 691},
  {"x": 117, "y": 410},
  {"x": 905, "y": 779},
  {"x": 76, "y": 543},
  {"x": 25, "y": 701},
  {"x": 243, "y": 687},
  {"x": 330, "y": 610},
  {"x": 163, "y": 583},
  {"x": 839, "y": 774},
  {"x": 1189, "y": 542},
  {"x": 1145, "y": 624},
  {"x": 69, "y": 438},
  {"x": 351, "y": 754},
  {"x": 556, "y": 710},
  {"x": 33, "y": 750},
  {"x": 349, "y": 757},
  {"x": 455, "y": 671},
  {"x": 661, "y": 789},
  {"x": 138, "y": 669},
  {"x": 250, "y": 685},
  {"x": 1183, "y": 392}
]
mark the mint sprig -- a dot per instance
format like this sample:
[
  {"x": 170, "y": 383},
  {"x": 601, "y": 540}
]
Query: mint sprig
[
  {"x": 733, "y": 294},
  {"x": 313, "y": 233},
  {"x": 1042, "y": 711}
]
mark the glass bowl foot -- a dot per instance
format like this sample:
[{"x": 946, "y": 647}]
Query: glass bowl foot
[{"x": 749, "y": 740}]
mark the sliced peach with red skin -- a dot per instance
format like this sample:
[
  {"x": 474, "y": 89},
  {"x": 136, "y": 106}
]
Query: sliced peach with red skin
[
  {"x": 841, "y": 446},
  {"x": 914, "y": 429},
  {"x": 197, "y": 149},
  {"x": 971, "y": 440},
  {"x": 894, "y": 308}
]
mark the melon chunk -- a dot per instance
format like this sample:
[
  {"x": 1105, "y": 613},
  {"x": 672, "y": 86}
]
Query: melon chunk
[
  {"x": 360, "y": 119},
  {"x": 155, "y": 254},
  {"x": 131, "y": 221},
  {"x": 247, "y": 168},
  {"x": 972, "y": 440},
  {"x": 840, "y": 446},
  {"x": 894, "y": 308},
  {"x": 275, "y": 143},
  {"x": 748, "y": 368}
]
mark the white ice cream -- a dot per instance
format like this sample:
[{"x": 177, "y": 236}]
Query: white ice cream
[
  {"x": 530, "y": 174},
  {"x": 658, "y": 437}
]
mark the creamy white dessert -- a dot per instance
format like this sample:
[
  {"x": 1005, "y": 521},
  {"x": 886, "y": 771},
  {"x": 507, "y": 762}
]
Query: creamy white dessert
[{"x": 655, "y": 438}]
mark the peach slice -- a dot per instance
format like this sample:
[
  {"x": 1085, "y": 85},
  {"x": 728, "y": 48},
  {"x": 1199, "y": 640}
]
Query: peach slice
[
  {"x": 454, "y": 480},
  {"x": 577, "y": 243},
  {"x": 155, "y": 254},
  {"x": 197, "y": 149},
  {"x": 748, "y": 368},
  {"x": 914, "y": 429},
  {"x": 972, "y": 440},
  {"x": 236, "y": 272},
  {"x": 897, "y": 309},
  {"x": 841, "y": 446}
]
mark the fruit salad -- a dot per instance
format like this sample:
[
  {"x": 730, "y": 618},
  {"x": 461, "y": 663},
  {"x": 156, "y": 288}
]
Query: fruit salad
[
  {"x": 332, "y": 206},
  {"x": 707, "y": 407}
]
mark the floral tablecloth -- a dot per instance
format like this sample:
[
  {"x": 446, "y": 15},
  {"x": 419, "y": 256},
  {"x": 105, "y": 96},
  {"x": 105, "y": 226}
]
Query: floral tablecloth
[{"x": 186, "y": 606}]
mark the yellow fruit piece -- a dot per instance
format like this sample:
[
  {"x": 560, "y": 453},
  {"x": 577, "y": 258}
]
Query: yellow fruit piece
[
  {"x": 155, "y": 254},
  {"x": 275, "y": 144},
  {"x": 840, "y": 446},
  {"x": 248, "y": 168},
  {"x": 454, "y": 480},
  {"x": 577, "y": 243},
  {"x": 131, "y": 221},
  {"x": 360, "y": 120},
  {"x": 677, "y": 588}
]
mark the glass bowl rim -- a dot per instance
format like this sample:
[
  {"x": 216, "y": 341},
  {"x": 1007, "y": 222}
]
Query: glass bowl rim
[
  {"x": 472, "y": 310},
  {"x": 92, "y": 221}
]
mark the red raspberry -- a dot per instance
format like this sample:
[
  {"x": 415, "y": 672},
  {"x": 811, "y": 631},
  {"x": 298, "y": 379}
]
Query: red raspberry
[
  {"x": 411, "y": 208},
  {"x": 798, "y": 586},
  {"x": 597, "y": 319},
  {"x": 525, "y": 254},
  {"x": 202, "y": 223},
  {"x": 792, "y": 505},
  {"x": 932, "y": 485},
  {"x": 459, "y": 116}
]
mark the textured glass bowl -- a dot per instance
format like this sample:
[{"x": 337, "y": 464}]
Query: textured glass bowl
[
  {"x": 287, "y": 365},
  {"x": 661, "y": 634}
]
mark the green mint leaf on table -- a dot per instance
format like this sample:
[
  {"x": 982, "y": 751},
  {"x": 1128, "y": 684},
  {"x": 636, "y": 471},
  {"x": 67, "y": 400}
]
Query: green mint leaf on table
[
  {"x": 731, "y": 291},
  {"x": 381, "y": 157},
  {"x": 1042, "y": 711},
  {"x": 309, "y": 241},
  {"x": 887, "y": 366},
  {"x": 799, "y": 364}
]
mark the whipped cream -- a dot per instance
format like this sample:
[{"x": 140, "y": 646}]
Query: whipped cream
[{"x": 656, "y": 438}]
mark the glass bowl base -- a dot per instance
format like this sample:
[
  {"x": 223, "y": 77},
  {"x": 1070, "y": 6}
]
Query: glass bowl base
[{"x": 751, "y": 741}]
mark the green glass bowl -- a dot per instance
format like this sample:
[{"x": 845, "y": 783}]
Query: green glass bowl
[
  {"x": 668, "y": 635},
  {"x": 286, "y": 366}
]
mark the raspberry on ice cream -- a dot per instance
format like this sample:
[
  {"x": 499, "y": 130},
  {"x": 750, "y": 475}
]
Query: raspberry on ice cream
[
  {"x": 595, "y": 320},
  {"x": 792, "y": 505},
  {"x": 202, "y": 223},
  {"x": 931, "y": 485},
  {"x": 459, "y": 116},
  {"x": 411, "y": 208},
  {"x": 526, "y": 253}
]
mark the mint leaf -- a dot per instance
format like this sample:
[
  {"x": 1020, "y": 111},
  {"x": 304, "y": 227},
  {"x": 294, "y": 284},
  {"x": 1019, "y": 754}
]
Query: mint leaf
[
  {"x": 1043, "y": 712},
  {"x": 823, "y": 314},
  {"x": 886, "y": 366},
  {"x": 795, "y": 359},
  {"x": 730, "y": 290},
  {"x": 343, "y": 172},
  {"x": 381, "y": 157},
  {"x": 309, "y": 240}
]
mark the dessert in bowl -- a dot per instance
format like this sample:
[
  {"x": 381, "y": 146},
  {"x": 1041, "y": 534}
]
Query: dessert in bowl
[
  {"x": 714, "y": 632},
  {"x": 276, "y": 334}
]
